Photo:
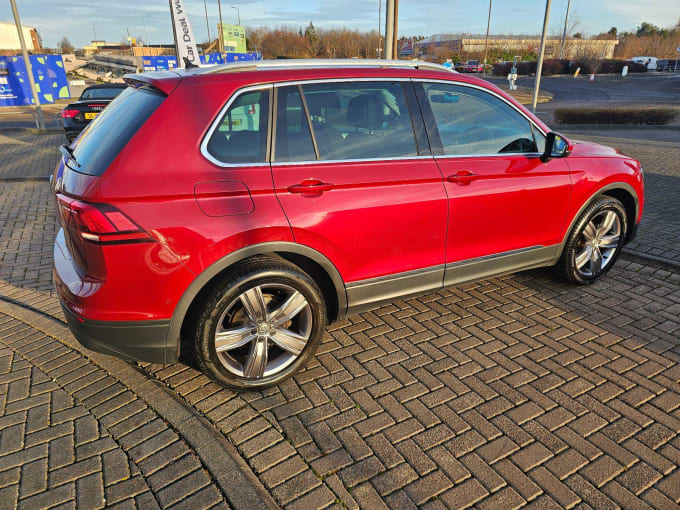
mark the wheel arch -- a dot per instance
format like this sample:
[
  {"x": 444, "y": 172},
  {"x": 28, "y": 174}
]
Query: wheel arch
[
  {"x": 623, "y": 192},
  {"x": 309, "y": 260}
]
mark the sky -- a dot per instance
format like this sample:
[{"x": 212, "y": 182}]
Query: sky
[{"x": 111, "y": 19}]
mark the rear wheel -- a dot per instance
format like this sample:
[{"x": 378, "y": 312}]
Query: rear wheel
[
  {"x": 260, "y": 325},
  {"x": 595, "y": 241}
]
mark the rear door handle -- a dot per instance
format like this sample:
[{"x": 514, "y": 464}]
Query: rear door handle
[
  {"x": 463, "y": 177},
  {"x": 310, "y": 186}
]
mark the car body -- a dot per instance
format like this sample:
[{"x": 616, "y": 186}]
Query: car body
[
  {"x": 473, "y": 66},
  {"x": 378, "y": 180},
  {"x": 92, "y": 101}
]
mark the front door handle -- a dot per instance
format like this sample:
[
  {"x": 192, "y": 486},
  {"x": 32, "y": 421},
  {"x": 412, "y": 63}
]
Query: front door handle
[
  {"x": 463, "y": 177},
  {"x": 310, "y": 186}
]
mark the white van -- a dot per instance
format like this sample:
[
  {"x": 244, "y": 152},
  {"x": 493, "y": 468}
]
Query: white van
[{"x": 650, "y": 62}]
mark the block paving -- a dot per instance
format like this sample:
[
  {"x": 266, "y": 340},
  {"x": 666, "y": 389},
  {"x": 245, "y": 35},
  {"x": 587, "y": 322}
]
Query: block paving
[{"x": 514, "y": 392}]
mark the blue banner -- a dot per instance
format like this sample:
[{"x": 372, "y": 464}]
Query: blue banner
[
  {"x": 49, "y": 75},
  {"x": 164, "y": 62}
]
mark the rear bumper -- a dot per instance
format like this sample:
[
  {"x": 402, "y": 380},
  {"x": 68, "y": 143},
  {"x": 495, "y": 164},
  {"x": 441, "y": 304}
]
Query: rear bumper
[{"x": 136, "y": 341}]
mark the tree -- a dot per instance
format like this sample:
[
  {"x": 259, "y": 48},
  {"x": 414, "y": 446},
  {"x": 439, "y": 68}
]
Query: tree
[
  {"x": 65, "y": 46},
  {"x": 647, "y": 29},
  {"x": 613, "y": 31}
]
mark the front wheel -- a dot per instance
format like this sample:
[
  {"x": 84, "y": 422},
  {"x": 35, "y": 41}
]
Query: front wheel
[
  {"x": 260, "y": 325},
  {"x": 595, "y": 242}
]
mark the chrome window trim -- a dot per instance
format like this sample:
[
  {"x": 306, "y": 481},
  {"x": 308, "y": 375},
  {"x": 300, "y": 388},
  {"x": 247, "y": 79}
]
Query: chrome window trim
[
  {"x": 273, "y": 86},
  {"x": 216, "y": 122},
  {"x": 483, "y": 89}
]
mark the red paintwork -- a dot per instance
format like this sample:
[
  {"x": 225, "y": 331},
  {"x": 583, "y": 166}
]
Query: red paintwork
[{"x": 369, "y": 219}]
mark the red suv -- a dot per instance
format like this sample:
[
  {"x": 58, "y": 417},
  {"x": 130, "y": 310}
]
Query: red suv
[{"x": 234, "y": 211}]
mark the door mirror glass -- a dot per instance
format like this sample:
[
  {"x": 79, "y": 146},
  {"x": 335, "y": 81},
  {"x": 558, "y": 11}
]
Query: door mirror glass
[{"x": 556, "y": 146}]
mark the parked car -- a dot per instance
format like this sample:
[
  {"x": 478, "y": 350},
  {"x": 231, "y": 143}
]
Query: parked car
[
  {"x": 668, "y": 65},
  {"x": 473, "y": 66},
  {"x": 649, "y": 62},
  {"x": 91, "y": 102},
  {"x": 230, "y": 213},
  {"x": 459, "y": 66}
]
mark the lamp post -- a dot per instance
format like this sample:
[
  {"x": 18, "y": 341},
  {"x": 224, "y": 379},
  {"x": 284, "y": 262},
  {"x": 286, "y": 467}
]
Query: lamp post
[
  {"x": 238, "y": 13},
  {"x": 486, "y": 45},
  {"x": 27, "y": 61},
  {"x": 146, "y": 37},
  {"x": 221, "y": 32},
  {"x": 564, "y": 33},
  {"x": 539, "y": 64},
  {"x": 207, "y": 25}
]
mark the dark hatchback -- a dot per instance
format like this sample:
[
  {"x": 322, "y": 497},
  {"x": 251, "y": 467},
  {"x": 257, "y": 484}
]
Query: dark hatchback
[{"x": 92, "y": 101}]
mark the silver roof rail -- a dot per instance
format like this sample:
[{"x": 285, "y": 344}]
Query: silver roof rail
[{"x": 303, "y": 63}]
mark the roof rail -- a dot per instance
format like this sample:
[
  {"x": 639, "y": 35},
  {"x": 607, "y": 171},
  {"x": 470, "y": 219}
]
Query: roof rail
[{"x": 302, "y": 63}]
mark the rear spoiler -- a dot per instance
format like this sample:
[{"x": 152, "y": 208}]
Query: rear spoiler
[{"x": 162, "y": 81}]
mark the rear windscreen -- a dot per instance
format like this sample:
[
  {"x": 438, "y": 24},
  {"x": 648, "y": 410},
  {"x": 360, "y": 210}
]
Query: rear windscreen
[
  {"x": 102, "y": 139},
  {"x": 103, "y": 93}
]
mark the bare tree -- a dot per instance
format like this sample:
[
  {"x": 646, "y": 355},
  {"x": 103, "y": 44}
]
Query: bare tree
[{"x": 65, "y": 46}]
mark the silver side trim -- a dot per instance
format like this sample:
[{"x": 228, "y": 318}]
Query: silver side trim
[
  {"x": 216, "y": 122},
  {"x": 364, "y": 294},
  {"x": 499, "y": 264},
  {"x": 306, "y": 63}
]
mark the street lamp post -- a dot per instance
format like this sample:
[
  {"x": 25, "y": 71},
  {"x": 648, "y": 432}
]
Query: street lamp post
[
  {"x": 27, "y": 61},
  {"x": 207, "y": 25},
  {"x": 238, "y": 13},
  {"x": 486, "y": 45},
  {"x": 146, "y": 37},
  {"x": 564, "y": 33},
  {"x": 539, "y": 64},
  {"x": 221, "y": 32}
]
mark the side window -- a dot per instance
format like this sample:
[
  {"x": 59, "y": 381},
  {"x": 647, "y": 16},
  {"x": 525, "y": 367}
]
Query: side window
[
  {"x": 241, "y": 136},
  {"x": 360, "y": 120},
  {"x": 293, "y": 141},
  {"x": 473, "y": 122}
]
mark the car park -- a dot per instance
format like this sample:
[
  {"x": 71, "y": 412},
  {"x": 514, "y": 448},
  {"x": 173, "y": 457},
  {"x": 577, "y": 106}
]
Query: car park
[
  {"x": 75, "y": 116},
  {"x": 228, "y": 214}
]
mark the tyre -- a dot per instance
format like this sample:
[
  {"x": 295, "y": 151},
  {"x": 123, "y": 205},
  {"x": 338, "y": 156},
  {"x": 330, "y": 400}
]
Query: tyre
[
  {"x": 260, "y": 325},
  {"x": 595, "y": 242}
]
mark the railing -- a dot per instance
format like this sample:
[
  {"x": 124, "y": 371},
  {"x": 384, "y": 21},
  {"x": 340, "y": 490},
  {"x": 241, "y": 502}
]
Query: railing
[{"x": 29, "y": 112}]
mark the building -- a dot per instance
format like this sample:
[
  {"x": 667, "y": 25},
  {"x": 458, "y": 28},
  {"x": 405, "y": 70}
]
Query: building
[
  {"x": 470, "y": 43},
  {"x": 9, "y": 38}
]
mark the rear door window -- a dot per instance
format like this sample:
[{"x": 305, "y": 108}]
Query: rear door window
[
  {"x": 241, "y": 135},
  {"x": 293, "y": 140},
  {"x": 104, "y": 137},
  {"x": 360, "y": 120}
]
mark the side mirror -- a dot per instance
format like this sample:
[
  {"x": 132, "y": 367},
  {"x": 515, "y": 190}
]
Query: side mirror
[{"x": 556, "y": 146}]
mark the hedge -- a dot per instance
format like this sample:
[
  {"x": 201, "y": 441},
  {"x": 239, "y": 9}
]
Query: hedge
[
  {"x": 650, "y": 116},
  {"x": 563, "y": 66}
]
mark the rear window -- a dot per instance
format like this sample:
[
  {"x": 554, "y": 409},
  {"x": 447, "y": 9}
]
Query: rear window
[
  {"x": 103, "y": 138},
  {"x": 102, "y": 93}
]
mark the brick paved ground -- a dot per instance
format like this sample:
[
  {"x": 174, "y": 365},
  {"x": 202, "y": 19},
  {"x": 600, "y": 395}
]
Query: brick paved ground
[
  {"x": 26, "y": 154},
  {"x": 659, "y": 152},
  {"x": 514, "y": 392},
  {"x": 73, "y": 436}
]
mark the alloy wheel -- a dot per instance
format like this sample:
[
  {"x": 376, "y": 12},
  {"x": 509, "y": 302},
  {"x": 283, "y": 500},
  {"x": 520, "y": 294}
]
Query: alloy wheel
[
  {"x": 263, "y": 330},
  {"x": 598, "y": 243}
]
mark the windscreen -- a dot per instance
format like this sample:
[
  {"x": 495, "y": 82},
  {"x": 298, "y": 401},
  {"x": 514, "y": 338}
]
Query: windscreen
[
  {"x": 102, "y": 139},
  {"x": 103, "y": 93}
]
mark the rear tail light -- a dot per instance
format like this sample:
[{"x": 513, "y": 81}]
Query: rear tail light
[
  {"x": 100, "y": 223},
  {"x": 69, "y": 114}
]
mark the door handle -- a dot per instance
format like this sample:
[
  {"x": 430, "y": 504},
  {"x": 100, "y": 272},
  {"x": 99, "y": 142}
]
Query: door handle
[
  {"x": 463, "y": 177},
  {"x": 310, "y": 186}
]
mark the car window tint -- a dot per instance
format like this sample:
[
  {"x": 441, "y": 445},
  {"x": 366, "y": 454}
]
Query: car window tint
[
  {"x": 366, "y": 120},
  {"x": 103, "y": 93},
  {"x": 473, "y": 122},
  {"x": 241, "y": 136},
  {"x": 293, "y": 140}
]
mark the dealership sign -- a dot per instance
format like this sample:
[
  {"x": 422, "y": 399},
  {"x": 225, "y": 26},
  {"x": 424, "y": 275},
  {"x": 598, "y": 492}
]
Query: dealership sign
[{"x": 184, "y": 35}]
